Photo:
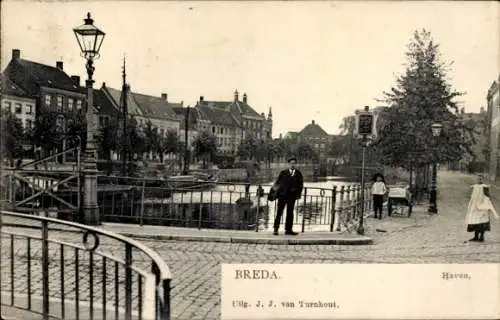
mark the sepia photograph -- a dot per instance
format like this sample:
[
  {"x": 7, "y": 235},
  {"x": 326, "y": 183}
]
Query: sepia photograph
[{"x": 205, "y": 160}]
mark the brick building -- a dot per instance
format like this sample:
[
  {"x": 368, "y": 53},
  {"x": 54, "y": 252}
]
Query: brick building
[{"x": 493, "y": 127}]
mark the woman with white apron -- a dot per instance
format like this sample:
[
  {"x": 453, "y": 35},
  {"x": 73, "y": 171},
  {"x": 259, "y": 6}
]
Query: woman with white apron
[{"x": 479, "y": 211}]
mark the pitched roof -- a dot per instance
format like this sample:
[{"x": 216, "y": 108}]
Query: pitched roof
[
  {"x": 105, "y": 106},
  {"x": 10, "y": 88},
  {"x": 193, "y": 116},
  {"x": 246, "y": 109},
  {"x": 313, "y": 129},
  {"x": 217, "y": 116},
  {"x": 236, "y": 107},
  {"x": 27, "y": 74},
  {"x": 116, "y": 96},
  {"x": 155, "y": 107}
]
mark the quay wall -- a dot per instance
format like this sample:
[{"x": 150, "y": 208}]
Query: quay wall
[{"x": 266, "y": 175}]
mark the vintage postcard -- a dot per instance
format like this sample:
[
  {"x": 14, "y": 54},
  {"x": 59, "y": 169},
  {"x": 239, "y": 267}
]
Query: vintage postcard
[{"x": 250, "y": 160}]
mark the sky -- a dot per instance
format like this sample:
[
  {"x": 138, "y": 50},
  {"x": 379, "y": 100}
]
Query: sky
[{"x": 308, "y": 60}]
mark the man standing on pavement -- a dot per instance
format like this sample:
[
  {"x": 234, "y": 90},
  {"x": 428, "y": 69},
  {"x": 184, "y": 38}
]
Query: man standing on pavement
[{"x": 289, "y": 186}]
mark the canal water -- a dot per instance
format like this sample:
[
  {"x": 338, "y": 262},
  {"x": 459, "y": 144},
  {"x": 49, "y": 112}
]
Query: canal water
[{"x": 316, "y": 208}]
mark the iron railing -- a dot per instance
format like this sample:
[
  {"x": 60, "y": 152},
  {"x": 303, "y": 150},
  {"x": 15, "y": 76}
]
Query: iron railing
[
  {"x": 84, "y": 273},
  {"x": 228, "y": 206},
  {"x": 211, "y": 205}
]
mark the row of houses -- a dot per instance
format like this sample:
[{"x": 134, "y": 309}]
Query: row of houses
[{"x": 30, "y": 89}]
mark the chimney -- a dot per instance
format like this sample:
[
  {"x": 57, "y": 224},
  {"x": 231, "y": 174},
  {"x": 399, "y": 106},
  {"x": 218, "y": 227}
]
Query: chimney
[
  {"x": 245, "y": 98},
  {"x": 281, "y": 136},
  {"x": 59, "y": 65},
  {"x": 481, "y": 111},
  {"x": 262, "y": 114},
  {"x": 236, "y": 98},
  {"x": 16, "y": 54},
  {"x": 103, "y": 84},
  {"x": 76, "y": 80},
  {"x": 164, "y": 96},
  {"x": 313, "y": 122},
  {"x": 201, "y": 99}
]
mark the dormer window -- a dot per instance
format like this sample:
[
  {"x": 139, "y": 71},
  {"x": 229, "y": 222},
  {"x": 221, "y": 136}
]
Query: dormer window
[
  {"x": 70, "y": 104},
  {"x": 78, "y": 104}
]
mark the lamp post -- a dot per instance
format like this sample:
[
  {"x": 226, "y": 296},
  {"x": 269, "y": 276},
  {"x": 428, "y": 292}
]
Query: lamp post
[
  {"x": 365, "y": 130},
  {"x": 436, "y": 132},
  {"x": 186, "y": 141},
  {"x": 90, "y": 39}
]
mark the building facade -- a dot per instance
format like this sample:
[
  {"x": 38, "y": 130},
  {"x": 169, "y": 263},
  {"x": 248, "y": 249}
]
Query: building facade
[
  {"x": 475, "y": 161},
  {"x": 58, "y": 96},
  {"x": 316, "y": 137},
  {"x": 233, "y": 121},
  {"x": 222, "y": 124},
  {"x": 17, "y": 102},
  {"x": 493, "y": 116}
]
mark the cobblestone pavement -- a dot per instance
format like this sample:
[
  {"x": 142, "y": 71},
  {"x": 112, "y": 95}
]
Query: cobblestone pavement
[{"x": 422, "y": 238}]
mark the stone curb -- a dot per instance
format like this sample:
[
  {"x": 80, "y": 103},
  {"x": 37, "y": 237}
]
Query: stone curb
[{"x": 276, "y": 240}]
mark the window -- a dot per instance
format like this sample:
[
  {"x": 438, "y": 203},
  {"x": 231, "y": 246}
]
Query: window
[
  {"x": 29, "y": 109},
  {"x": 70, "y": 104},
  {"x": 213, "y": 129},
  {"x": 47, "y": 100},
  {"x": 78, "y": 104},
  {"x": 29, "y": 124},
  {"x": 162, "y": 132},
  {"x": 7, "y": 105},
  {"x": 19, "y": 108},
  {"x": 59, "y": 103}
]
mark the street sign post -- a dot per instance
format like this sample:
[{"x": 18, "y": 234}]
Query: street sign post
[{"x": 365, "y": 131}]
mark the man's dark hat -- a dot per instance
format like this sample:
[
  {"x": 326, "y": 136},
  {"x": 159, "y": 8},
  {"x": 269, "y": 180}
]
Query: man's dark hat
[{"x": 292, "y": 159}]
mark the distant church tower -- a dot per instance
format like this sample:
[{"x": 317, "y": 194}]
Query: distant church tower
[{"x": 270, "y": 122}]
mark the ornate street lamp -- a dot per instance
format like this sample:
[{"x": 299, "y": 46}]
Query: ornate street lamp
[
  {"x": 90, "y": 39},
  {"x": 436, "y": 132}
]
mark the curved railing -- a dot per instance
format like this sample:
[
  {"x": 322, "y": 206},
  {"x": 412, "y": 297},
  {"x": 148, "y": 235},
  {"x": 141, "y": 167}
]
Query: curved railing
[{"x": 66, "y": 270}]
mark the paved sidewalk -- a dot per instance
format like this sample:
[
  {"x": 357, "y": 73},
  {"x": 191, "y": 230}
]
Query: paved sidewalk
[{"x": 236, "y": 236}]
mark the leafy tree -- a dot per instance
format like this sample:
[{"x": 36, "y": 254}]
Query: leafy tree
[
  {"x": 14, "y": 137},
  {"x": 151, "y": 138},
  {"x": 76, "y": 127},
  {"x": 134, "y": 138},
  {"x": 304, "y": 151},
  {"x": 205, "y": 145},
  {"x": 168, "y": 144},
  {"x": 340, "y": 147},
  {"x": 107, "y": 140},
  {"x": 45, "y": 133},
  {"x": 421, "y": 97},
  {"x": 248, "y": 148}
]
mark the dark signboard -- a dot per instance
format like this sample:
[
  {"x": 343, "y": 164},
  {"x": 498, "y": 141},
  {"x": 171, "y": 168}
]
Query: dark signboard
[{"x": 365, "y": 124}]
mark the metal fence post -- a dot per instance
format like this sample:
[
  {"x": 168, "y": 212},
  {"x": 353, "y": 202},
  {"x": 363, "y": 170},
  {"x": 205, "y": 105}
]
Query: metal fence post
[
  {"x": 257, "y": 215},
  {"x": 341, "y": 207},
  {"x": 128, "y": 282},
  {"x": 332, "y": 220},
  {"x": 45, "y": 269},
  {"x": 142, "y": 201},
  {"x": 304, "y": 211},
  {"x": 200, "y": 211}
]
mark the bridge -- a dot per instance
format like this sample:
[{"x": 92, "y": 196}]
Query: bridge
[{"x": 132, "y": 285}]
